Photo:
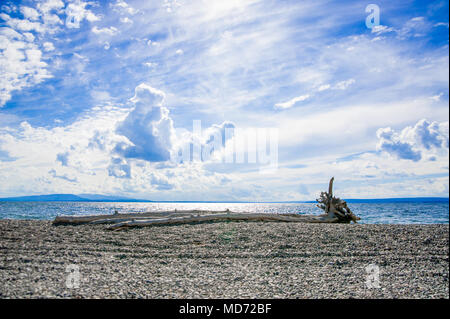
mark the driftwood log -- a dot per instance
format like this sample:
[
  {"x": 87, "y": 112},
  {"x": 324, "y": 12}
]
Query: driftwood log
[
  {"x": 335, "y": 207},
  {"x": 336, "y": 211}
]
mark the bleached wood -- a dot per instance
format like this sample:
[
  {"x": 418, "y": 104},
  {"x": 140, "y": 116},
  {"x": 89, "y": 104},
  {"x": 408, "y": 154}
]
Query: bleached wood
[
  {"x": 336, "y": 211},
  {"x": 223, "y": 217},
  {"x": 335, "y": 207},
  {"x": 78, "y": 220}
]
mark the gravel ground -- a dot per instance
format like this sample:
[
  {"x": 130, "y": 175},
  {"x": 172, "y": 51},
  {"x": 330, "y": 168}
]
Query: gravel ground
[{"x": 224, "y": 260}]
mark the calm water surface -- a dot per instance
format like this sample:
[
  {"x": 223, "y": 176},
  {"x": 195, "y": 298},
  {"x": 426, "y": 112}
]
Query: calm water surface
[{"x": 370, "y": 213}]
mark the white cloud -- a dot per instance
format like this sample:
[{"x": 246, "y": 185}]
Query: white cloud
[
  {"x": 20, "y": 64},
  {"x": 28, "y": 36},
  {"x": 76, "y": 12},
  {"x": 292, "y": 102},
  {"x": 150, "y": 64},
  {"x": 380, "y": 29},
  {"x": 415, "y": 27},
  {"x": 8, "y": 9},
  {"x": 123, "y": 7},
  {"x": 436, "y": 98},
  {"x": 119, "y": 168},
  {"x": 10, "y": 33},
  {"x": 48, "y": 46},
  {"x": 148, "y": 127},
  {"x": 49, "y": 10},
  {"x": 100, "y": 95},
  {"x": 323, "y": 87},
  {"x": 392, "y": 144},
  {"x": 171, "y": 5},
  {"x": 22, "y": 24},
  {"x": 219, "y": 80},
  {"x": 29, "y": 13},
  {"x": 105, "y": 31},
  {"x": 343, "y": 85},
  {"x": 441, "y": 24},
  {"x": 160, "y": 181},
  {"x": 126, "y": 20},
  {"x": 81, "y": 157},
  {"x": 49, "y": 6},
  {"x": 414, "y": 142}
]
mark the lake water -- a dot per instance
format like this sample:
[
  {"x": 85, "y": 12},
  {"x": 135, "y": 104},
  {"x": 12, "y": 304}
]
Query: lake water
[{"x": 370, "y": 213}]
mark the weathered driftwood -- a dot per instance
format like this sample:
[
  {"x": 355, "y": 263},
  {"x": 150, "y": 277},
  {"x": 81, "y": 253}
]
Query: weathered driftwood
[
  {"x": 222, "y": 217},
  {"x": 116, "y": 217},
  {"x": 335, "y": 207},
  {"x": 336, "y": 211}
]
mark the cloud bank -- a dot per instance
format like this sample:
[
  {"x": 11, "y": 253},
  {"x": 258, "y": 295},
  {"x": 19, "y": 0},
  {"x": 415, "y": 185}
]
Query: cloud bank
[{"x": 413, "y": 143}]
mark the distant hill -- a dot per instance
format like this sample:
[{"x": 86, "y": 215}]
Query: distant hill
[
  {"x": 71, "y": 198},
  {"x": 44, "y": 198},
  {"x": 105, "y": 198}
]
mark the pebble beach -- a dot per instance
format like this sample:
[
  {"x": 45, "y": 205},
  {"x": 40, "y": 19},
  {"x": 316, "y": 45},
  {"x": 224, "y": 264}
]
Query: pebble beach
[{"x": 225, "y": 260}]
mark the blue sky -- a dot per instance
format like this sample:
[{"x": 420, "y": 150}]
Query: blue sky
[{"x": 100, "y": 97}]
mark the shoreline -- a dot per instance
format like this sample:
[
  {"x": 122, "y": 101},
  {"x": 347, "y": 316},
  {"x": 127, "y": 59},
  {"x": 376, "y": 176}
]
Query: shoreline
[{"x": 224, "y": 260}]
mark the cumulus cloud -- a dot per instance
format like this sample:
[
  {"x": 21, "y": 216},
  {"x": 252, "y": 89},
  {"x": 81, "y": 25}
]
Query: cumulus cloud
[
  {"x": 99, "y": 140},
  {"x": 161, "y": 182},
  {"x": 202, "y": 145},
  {"x": 20, "y": 64},
  {"x": 29, "y": 13},
  {"x": 216, "y": 138},
  {"x": 28, "y": 36},
  {"x": 22, "y": 24},
  {"x": 123, "y": 7},
  {"x": 413, "y": 143},
  {"x": 76, "y": 12},
  {"x": 119, "y": 168},
  {"x": 391, "y": 143},
  {"x": 148, "y": 127},
  {"x": 428, "y": 135},
  {"x": 42, "y": 19},
  {"x": 20, "y": 57},
  {"x": 48, "y": 46},
  {"x": 49, "y": 6},
  {"x": 4, "y": 156}
]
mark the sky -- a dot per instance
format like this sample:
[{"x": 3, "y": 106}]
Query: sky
[{"x": 224, "y": 100}]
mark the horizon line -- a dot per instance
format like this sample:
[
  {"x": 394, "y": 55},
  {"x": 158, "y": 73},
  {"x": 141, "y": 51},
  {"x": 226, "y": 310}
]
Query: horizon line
[{"x": 111, "y": 198}]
